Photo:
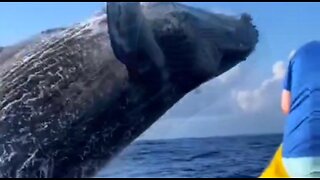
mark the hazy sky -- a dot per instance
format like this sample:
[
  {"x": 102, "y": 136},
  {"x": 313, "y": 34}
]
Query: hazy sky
[{"x": 243, "y": 101}]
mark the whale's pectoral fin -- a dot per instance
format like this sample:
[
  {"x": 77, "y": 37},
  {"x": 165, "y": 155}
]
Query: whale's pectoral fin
[
  {"x": 133, "y": 41},
  {"x": 124, "y": 21},
  {"x": 276, "y": 168}
]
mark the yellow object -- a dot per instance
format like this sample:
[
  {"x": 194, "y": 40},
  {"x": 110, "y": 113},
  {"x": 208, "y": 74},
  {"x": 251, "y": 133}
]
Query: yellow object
[{"x": 276, "y": 167}]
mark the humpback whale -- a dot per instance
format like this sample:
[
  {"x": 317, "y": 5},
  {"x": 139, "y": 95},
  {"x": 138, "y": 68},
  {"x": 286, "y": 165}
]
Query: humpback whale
[{"x": 72, "y": 98}]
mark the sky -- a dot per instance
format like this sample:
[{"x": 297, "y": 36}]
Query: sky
[{"x": 245, "y": 100}]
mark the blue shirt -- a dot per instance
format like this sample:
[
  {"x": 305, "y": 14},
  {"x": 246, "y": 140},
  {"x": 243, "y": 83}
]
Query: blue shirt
[{"x": 302, "y": 126}]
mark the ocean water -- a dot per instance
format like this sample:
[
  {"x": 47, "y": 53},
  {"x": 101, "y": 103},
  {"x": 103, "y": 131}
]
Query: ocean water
[{"x": 223, "y": 157}]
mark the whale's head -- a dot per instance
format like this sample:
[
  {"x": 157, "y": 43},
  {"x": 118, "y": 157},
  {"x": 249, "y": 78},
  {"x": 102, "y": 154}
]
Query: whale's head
[
  {"x": 185, "y": 45},
  {"x": 234, "y": 37}
]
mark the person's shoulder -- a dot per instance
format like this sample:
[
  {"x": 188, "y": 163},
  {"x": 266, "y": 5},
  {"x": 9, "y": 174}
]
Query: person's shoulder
[
  {"x": 310, "y": 46},
  {"x": 307, "y": 47}
]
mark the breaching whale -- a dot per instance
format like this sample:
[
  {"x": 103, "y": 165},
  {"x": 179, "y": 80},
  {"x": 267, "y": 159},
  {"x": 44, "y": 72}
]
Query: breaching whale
[{"x": 72, "y": 98}]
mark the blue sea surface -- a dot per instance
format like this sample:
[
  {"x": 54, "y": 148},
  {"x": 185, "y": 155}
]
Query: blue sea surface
[{"x": 219, "y": 157}]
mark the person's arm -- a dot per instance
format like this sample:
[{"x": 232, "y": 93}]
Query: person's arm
[
  {"x": 286, "y": 101},
  {"x": 286, "y": 92}
]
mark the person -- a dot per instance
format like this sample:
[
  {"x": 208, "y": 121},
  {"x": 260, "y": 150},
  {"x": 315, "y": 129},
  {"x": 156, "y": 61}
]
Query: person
[{"x": 301, "y": 103}]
